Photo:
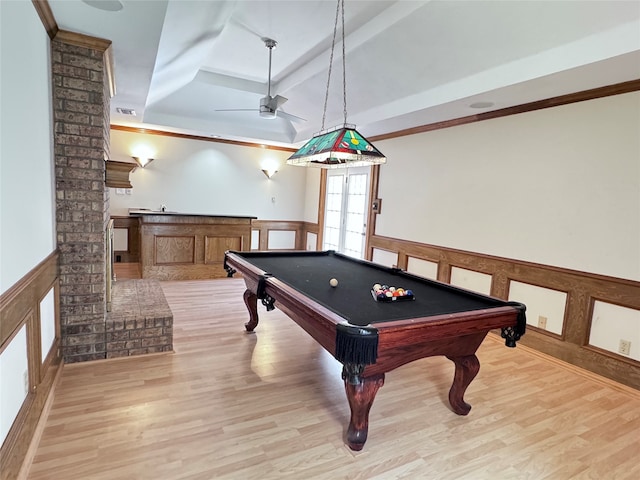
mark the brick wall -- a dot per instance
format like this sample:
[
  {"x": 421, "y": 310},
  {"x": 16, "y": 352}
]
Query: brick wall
[{"x": 81, "y": 143}]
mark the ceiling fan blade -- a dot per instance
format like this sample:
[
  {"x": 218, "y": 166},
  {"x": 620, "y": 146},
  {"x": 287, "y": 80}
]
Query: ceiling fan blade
[
  {"x": 290, "y": 117},
  {"x": 244, "y": 27},
  {"x": 278, "y": 101},
  {"x": 237, "y": 110}
]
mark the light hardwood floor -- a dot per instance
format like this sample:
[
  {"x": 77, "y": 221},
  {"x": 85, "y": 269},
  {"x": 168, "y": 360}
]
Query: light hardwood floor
[{"x": 271, "y": 405}]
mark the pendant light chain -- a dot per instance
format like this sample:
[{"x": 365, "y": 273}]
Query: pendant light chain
[
  {"x": 333, "y": 45},
  {"x": 344, "y": 68},
  {"x": 339, "y": 147}
]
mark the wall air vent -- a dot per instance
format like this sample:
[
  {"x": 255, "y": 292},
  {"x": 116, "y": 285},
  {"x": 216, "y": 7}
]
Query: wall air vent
[{"x": 126, "y": 111}]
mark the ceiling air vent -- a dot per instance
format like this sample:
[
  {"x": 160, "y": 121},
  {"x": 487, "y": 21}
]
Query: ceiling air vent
[{"x": 126, "y": 111}]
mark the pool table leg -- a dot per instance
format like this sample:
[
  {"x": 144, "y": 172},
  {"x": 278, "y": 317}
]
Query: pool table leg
[
  {"x": 251, "y": 301},
  {"x": 467, "y": 368},
  {"x": 361, "y": 396}
]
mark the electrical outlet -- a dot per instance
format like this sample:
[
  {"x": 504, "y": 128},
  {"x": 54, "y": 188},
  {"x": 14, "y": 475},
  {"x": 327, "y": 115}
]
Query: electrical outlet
[
  {"x": 25, "y": 379},
  {"x": 542, "y": 322},
  {"x": 625, "y": 347}
]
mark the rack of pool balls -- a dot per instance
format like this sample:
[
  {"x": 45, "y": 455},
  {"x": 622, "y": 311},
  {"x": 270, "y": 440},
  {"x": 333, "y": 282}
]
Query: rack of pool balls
[{"x": 385, "y": 293}]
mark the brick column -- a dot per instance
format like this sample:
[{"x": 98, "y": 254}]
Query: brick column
[{"x": 81, "y": 143}]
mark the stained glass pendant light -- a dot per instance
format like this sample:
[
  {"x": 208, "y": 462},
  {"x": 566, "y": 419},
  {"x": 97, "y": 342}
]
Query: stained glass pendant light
[{"x": 341, "y": 146}]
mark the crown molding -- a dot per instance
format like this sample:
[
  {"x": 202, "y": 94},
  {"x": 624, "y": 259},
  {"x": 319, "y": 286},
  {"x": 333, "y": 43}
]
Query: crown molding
[
  {"x": 46, "y": 16},
  {"x": 93, "y": 43},
  {"x": 81, "y": 40},
  {"x": 600, "y": 92},
  {"x": 148, "y": 131}
]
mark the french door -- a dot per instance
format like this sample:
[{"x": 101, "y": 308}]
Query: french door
[{"x": 345, "y": 218}]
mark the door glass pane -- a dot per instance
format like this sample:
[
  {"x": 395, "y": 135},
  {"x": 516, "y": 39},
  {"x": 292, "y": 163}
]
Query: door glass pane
[
  {"x": 355, "y": 215},
  {"x": 333, "y": 215}
]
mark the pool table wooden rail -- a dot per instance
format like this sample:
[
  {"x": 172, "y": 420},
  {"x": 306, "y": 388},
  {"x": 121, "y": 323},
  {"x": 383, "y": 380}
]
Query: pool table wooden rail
[
  {"x": 400, "y": 342},
  {"x": 315, "y": 319}
]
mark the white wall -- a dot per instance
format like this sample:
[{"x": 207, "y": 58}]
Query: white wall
[
  {"x": 312, "y": 195},
  {"x": 27, "y": 208},
  {"x": 197, "y": 176},
  {"x": 558, "y": 186}
]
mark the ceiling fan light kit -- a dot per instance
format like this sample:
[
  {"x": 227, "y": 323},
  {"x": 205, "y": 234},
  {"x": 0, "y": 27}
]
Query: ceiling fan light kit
[
  {"x": 269, "y": 106},
  {"x": 341, "y": 146}
]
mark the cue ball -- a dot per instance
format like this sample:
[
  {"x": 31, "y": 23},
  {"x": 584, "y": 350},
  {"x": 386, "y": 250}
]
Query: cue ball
[{"x": 333, "y": 282}]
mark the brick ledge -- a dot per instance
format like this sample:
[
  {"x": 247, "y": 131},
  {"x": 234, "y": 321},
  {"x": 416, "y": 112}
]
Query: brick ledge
[{"x": 140, "y": 320}]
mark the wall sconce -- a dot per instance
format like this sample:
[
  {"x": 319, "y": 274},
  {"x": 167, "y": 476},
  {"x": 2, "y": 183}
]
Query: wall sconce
[
  {"x": 143, "y": 161},
  {"x": 269, "y": 173}
]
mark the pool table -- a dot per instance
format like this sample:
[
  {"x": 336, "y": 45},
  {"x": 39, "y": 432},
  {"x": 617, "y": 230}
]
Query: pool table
[{"x": 369, "y": 336}]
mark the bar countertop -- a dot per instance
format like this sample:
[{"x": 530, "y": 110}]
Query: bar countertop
[{"x": 135, "y": 212}]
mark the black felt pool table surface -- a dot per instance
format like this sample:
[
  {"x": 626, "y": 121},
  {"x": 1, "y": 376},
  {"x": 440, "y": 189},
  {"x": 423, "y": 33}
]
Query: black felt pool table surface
[{"x": 310, "y": 273}]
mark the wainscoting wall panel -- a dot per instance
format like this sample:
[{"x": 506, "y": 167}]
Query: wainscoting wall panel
[
  {"x": 282, "y": 239},
  {"x": 546, "y": 308},
  {"x": 255, "y": 239},
  {"x": 128, "y": 227},
  {"x": 385, "y": 257},
  {"x": 421, "y": 267},
  {"x": 612, "y": 325},
  {"x": 582, "y": 290},
  {"x": 26, "y": 327},
  {"x": 292, "y": 234},
  {"x": 13, "y": 365},
  {"x": 476, "y": 281},
  {"x": 49, "y": 327},
  {"x": 312, "y": 241}
]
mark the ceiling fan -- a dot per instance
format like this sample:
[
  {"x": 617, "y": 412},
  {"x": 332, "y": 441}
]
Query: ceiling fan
[{"x": 269, "y": 106}]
